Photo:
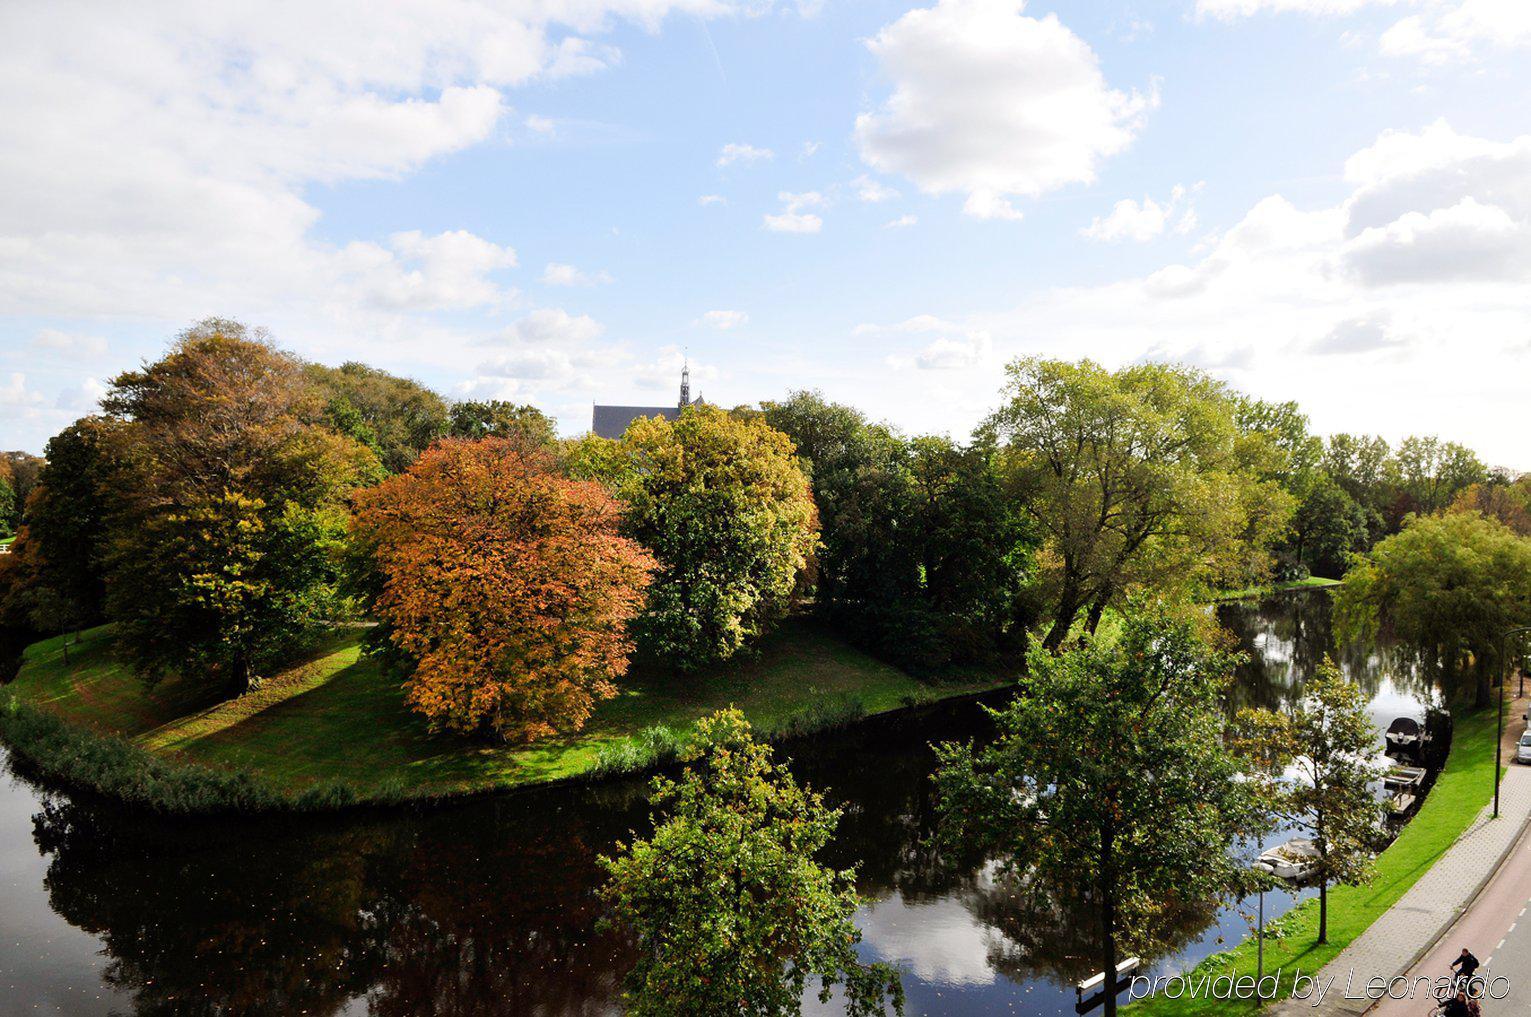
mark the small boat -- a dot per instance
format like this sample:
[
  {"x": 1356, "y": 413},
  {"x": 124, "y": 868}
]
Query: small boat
[
  {"x": 1400, "y": 777},
  {"x": 1402, "y": 803},
  {"x": 1404, "y": 733},
  {"x": 1295, "y": 860}
]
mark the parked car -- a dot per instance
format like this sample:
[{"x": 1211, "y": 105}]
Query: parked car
[{"x": 1523, "y": 750}]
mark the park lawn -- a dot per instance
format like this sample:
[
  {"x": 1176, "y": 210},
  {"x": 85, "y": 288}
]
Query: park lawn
[
  {"x": 1250, "y": 592},
  {"x": 1460, "y": 793},
  {"x": 337, "y": 716}
]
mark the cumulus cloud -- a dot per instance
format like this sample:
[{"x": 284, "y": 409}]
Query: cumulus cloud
[
  {"x": 552, "y": 326},
  {"x": 735, "y": 152},
  {"x": 724, "y": 321},
  {"x": 792, "y": 218},
  {"x": 1460, "y": 32},
  {"x": 1130, "y": 220},
  {"x": 82, "y": 398},
  {"x": 1365, "y": 334},
  {"x": 17, "y": 401},
  {"x": 870, "y": 190},
  {"x": 954, "y": 347},
  {"x": 1228, "y": 10},
  {"x": 907, "y": 219},
  {"x": 558, "y": 274},
  {"x": 992, "y": 104},
  {"x": 712, "y": 199}
]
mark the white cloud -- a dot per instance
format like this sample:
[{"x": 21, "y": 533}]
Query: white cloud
[
  {"x": 1366, "y": 334},
  {"x": 735, "y": 152},
  {"x": 953, "y": 348},
  {"x": 17, "y": 402},
  {"x": 69, "y": 344},
  {"x": 712, "y": 199},
  {"x": 1227, "y": 10},
  {"x": 724, "y": 321},
  {"x": 907, "y": 219},
  {"x": 870, "y": 190},
  {"x": 552, "y": 326},
  {"x": 1461, "y": 31},
  {"x": 993, "y": 104},
  {"x": 539, "y": 124},
  {"x": 1130, "y": 220},
  {"x": 792, "y": 218},
  {"x": 82, "y": 398},
  {"x": 558, "y": 274},
  {"x": 808, "y": 149},
  {"x": 450, "y": 270}
]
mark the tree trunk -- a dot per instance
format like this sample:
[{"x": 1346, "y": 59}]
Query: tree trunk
[
  {"x": 1063, "y": 617},
  {"x": 1108, "y": 917},
  {"x": 1485, "y": 679},
  {"x": 1323, "y": 911},
  {"x": 1098, "y": 608}
]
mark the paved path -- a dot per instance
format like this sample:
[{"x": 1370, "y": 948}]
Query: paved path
[{"x": 1410, "y": 927}]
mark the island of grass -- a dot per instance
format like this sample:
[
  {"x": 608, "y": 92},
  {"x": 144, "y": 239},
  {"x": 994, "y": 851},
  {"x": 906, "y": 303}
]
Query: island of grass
[
  {"x": 334, "y": 729},
  {"x": 1252, "y": 592}
]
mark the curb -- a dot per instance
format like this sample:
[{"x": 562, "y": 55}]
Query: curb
[{"x": 1472, "y": 898}]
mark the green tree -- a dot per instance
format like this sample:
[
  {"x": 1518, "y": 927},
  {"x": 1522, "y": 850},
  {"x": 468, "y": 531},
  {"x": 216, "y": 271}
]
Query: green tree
[
  {"x": 1428, "y": 473},
  {"x": 731, "y": 912},
  {"x": 1136, "y": 478},
  {"x": 1109, "y": 776},
  {"x": 1448, "y": 585},
  {"x": 724, "y": 508},
  {"x": 1505, "y": 499},
  {"x": 398, "y": 418},
  {"x": 1359, "y": 464},
  {"x": 1317, "y": 760},
  {"x": 497, "y": 419},
  {"x": 229, "y": 508},
  {"x": 1328, "y": 528},
  {"x": 19, "y": 470},
  {"x": 10, "y": 518}
]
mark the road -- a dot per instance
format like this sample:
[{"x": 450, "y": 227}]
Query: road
[{"x": 1497, "y": 928}]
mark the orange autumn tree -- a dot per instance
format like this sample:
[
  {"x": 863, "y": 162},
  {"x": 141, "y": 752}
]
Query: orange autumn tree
[{"x": 506, "y": 585}]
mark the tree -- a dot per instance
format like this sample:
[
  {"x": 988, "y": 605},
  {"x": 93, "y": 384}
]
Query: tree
[
  {"x": 398, "y": 418},
  {"x": 724, "y": 508},
  {"x": 10, "y": 518},
  {"x": 1508, "y": 501},
  {"x": 19, "y": 471},
  {"x": 229, "y": 508},
  {"x": 66, "y": 524},
  {"x": 1109, "y": 777},
  {"x": 731, "y": 912},
  {"x": 1134, "y": 479},
  {"x": 1427, "y": 474},
  {"x": 1328, "y": 527},
  {"x": 1359, "y": 464},
  {"x": 497, "y": 419},
  {"x": 505, "y": 584},
  {"x": 1317, "y": 759},
  {"x": 1448, "y": 585}
]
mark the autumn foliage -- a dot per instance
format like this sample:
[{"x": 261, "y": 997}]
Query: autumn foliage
[{"x": 506, "y": 584}]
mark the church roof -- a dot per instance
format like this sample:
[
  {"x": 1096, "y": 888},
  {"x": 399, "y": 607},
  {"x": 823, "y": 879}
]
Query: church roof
[{"x": 612, "y": 421}]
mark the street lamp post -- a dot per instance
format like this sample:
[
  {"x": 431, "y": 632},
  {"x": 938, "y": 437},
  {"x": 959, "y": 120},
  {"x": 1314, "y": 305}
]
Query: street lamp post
[{"x": 1504, "y": 683}]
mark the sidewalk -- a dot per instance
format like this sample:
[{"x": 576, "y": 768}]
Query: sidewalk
[{"x": 1410, "y": 927}]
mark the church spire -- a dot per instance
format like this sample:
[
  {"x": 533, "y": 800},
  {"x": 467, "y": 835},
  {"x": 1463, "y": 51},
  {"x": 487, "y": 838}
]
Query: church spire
[{"x": 685, "y": 385}]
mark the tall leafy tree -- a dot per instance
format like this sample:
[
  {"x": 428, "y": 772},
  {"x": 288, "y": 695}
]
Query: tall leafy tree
[
  {"x": 1318, "y": 759},
  {"x": 731, "y": 911},
  {"x": 398, "y": 418},
  {"x": 722, "y": 504},
  {"x": 1328, "y": 528},
  {"x": 506, "y": 585},
  {"x": 495, "y": 418},
  {"x": 10, "y": 517},
  {"x": 1135, "y": 478},
  {"x": 229, "y": 508},
  {"x": 1505, "y": 499},
  {"x": 1449, "y": 585},
  {"x": 1109, "y": 777},
  {"x": 1428, "y": 473},
  {"x": 1359, "y": 464},
  {"x": 19, "y": 471}
]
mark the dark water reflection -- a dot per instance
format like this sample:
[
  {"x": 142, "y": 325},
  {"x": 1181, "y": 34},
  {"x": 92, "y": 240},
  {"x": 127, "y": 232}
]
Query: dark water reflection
[{"x": 490, "y": 908}]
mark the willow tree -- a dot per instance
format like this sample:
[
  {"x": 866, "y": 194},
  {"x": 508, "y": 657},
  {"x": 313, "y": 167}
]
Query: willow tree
[
  {"x": 1135, "y": 478},
  {"x": 1110, "y": 780},
  {"x": 1446, "y": 585}
]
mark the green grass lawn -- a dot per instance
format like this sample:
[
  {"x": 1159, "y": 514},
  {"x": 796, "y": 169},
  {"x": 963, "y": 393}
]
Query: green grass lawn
[
  {"x": 1460, "y": 793},
  {"x": 337, "y": 716},
  {"x": 1310, "y": 583}
]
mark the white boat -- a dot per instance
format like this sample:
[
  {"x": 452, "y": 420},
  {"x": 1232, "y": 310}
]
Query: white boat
[
  {"x": 1400, "y": 777},
  {"x": 1295, "y": 860}
]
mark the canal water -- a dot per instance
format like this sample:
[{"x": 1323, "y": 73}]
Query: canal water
[{"x": 490, "y": 906}]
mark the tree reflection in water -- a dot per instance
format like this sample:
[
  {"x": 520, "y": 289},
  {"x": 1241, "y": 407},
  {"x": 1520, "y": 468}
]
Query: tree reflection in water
[{"x": 489, "y": 907}]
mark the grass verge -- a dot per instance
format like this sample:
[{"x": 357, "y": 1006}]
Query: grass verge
[
  {"x": 1460, "y": 793},
  {"x": 338, "y": 722}
]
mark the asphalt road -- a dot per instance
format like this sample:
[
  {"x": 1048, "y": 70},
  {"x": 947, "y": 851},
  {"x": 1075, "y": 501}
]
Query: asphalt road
[{"x": 1497, "y": 929}]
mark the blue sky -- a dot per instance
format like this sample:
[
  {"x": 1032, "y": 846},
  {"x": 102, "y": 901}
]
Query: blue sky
[{"x": 1330, "y": 200}]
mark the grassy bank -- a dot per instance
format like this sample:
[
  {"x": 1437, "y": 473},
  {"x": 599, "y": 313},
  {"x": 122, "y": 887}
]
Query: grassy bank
[
  {"x": 1460, "y": 793},
  {"x": 1250, "y": 592},
  {"x": 337, "y": 721}
]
